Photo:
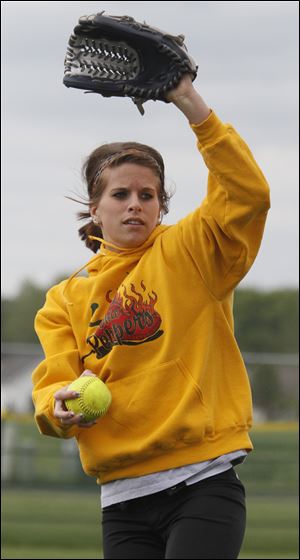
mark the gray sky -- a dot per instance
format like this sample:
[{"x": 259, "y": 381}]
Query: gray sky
[{"x": 248, "y": 73}]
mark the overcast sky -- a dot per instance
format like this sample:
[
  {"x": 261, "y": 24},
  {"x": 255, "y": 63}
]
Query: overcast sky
[{"x": 247, "y": 53}]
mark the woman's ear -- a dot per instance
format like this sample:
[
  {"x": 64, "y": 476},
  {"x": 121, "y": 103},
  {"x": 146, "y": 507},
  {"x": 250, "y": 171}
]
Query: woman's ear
[
  {"x": 93, "y": 210},
  {"x": 94, "y": 216}
]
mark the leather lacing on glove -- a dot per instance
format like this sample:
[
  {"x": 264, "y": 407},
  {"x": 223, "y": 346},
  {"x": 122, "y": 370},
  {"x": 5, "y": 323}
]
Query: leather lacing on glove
[{"x": 118, "y": 56}]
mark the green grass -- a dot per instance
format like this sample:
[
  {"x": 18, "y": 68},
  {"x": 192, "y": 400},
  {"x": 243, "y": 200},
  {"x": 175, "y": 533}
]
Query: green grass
[
  {"x": 53, "y": 523},
  {"x": 272, "y": 528},
  {"x": 44, "y": 552},
  {"x": 272, "y": 468},
  {"x": 66, "y": 524}
]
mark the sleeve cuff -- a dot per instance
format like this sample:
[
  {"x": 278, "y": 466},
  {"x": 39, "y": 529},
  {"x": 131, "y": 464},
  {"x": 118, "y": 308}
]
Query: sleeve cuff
[{"x": 209, "y": 131}]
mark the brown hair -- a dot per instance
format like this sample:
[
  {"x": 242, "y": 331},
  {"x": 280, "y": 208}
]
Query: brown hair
[{"x": 112, "y": 155}]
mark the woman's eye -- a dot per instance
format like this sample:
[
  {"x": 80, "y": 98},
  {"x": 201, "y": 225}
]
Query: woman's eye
[
  {"x": 120, "y": 194},
  {"x": 123, "y": 194}
]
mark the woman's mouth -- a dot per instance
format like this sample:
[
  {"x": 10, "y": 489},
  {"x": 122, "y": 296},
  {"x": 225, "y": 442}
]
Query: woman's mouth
[{"x": 134, "y": 222}]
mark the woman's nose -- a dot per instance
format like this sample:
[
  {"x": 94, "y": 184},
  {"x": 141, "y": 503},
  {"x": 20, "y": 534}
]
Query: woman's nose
[{"x": 134, "y": 204}]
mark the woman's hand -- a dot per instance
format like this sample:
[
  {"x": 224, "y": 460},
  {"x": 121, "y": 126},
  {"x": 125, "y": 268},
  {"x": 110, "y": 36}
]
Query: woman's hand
[
  {"x": 66, "y": 417},
  {"x": 188, "y": 101},
  {"x": 182, "y": 90}
]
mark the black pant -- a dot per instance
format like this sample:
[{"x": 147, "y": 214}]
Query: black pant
[{"x": 204, "y": 520}]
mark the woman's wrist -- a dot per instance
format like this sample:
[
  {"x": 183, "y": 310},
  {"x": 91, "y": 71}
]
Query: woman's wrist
[
  {"x": 189, "y": 101},
  {"x": 193, "y": 107}
]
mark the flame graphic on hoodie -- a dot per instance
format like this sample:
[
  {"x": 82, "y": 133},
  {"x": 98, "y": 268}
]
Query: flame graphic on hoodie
[{"x": 130, "y": 320}]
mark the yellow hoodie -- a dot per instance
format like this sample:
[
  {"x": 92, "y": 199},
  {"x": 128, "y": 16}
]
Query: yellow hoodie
[{"x": 155, "y": 323}]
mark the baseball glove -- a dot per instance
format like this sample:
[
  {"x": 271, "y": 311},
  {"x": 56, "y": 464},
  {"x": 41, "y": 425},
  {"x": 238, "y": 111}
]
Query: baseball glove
[{"x": 118, "y": 56}]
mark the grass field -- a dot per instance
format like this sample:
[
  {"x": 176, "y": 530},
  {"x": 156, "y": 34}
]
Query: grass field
[
  {"x": 66, "y": 524},
  {"x": 52, "y": 523}
]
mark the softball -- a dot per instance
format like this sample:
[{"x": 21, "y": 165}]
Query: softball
[{"x": 94, "y": 397}]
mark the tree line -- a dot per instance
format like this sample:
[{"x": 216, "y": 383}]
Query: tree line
[{"x": 265, "y": 321}]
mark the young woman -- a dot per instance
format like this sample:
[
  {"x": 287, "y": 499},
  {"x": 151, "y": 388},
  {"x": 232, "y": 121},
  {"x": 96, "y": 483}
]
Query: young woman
[{"x": 154, "y": 321}]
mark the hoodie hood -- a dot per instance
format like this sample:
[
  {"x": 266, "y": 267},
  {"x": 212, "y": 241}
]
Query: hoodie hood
[{"x": 111, "y": 252}]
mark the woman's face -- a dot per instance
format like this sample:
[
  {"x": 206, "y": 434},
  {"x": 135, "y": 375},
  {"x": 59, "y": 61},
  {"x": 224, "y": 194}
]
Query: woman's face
[{"x": 129, "y": 208}]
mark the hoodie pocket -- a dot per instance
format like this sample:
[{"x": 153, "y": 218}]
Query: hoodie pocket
[{"x": 159, "y": 408}]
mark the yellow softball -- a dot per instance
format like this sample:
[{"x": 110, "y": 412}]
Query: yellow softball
[{"x": 94, "y": 397}]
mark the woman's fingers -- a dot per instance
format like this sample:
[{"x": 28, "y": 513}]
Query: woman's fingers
[{"x": 67, "y": 417}]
